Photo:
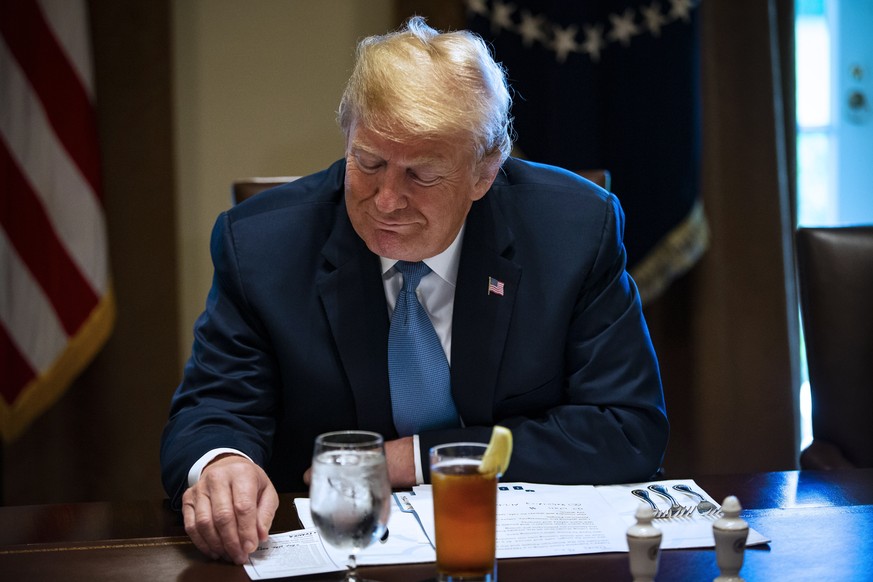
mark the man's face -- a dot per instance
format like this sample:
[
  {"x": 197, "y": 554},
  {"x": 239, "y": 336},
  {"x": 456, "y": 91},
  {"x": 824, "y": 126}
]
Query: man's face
[{"x": 408, "y": 201}]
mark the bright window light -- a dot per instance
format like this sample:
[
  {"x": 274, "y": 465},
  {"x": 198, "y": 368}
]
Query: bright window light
[{"x": 813, "y": 72}]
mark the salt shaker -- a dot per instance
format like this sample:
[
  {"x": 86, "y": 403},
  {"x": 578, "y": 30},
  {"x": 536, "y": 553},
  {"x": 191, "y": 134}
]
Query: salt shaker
[
  {"x": 644, "y": 542},
  {"x": 730, "y": 534}
]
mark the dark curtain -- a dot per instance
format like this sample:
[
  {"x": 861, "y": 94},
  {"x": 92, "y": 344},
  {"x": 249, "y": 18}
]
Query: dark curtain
[
  {"x": 726, "y": 331},
  {"x": 613, "y": 84}
]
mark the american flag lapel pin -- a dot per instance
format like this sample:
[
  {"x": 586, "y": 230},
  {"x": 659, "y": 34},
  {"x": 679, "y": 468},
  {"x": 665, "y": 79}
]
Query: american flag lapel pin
[{"x": 495, "y": 286}]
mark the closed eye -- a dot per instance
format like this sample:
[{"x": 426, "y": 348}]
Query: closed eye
[
  {"x": 425, "y": 179},
  {"x": 368, "y": 164}
]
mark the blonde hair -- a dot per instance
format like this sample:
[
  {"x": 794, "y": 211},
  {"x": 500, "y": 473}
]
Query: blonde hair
[{"x": 420, "y": 83}]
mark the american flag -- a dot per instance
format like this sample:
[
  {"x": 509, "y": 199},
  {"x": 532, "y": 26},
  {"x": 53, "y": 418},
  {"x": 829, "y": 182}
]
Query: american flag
[
  {"x": 495, "y": 286},
  {"x": 56, "y": 302}
]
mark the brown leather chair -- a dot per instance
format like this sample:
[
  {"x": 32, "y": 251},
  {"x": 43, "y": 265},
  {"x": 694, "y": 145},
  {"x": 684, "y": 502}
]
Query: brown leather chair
[
  {"x": 835, "y": 275},
  {"x": 599, "y": 176},
  {"x": 248, "y": 187}
]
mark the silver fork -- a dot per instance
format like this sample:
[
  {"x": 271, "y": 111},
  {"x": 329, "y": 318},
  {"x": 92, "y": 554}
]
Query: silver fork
[
  {"x": 704, "y": 507},
  {"x": 676, "y": 510},
  {"x": 644, "y": 495}
]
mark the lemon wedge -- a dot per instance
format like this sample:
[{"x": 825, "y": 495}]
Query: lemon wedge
[{"x": 495, "y": 461}]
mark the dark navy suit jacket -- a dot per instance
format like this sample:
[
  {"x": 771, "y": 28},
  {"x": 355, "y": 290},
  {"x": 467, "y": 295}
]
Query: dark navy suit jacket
[{"x": 293, "y": 340}]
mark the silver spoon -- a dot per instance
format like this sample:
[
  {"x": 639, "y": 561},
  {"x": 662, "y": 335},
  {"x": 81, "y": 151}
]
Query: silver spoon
[
  {"x": 704, "y": 507},
  {"x": 644, "y": 495}
]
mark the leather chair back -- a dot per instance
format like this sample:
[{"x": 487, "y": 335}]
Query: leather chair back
[
  {"x": 248, "y": 187},
  {"x": 835, "y": 276}
]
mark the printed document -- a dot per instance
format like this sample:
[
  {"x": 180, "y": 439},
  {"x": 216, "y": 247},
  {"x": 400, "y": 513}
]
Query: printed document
[{"x": 532, "y": 520}]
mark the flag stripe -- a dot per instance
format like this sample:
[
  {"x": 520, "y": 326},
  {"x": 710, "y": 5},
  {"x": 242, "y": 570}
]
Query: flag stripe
[
  {"x": 68, "y": 20},
  {"x": 36, "y": 242},
  {"x": 56, "y": 82},
  {"x": 65, "y": 195},
  {"x": 16, "y": 371},
  {"x": 26, "y": 313}
]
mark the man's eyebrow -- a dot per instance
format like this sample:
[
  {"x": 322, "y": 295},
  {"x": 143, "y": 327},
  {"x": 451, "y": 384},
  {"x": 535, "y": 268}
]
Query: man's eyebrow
[
  {"x": 413, "y": 162},
  {"x": 358, "y": 147},
  {"x": 427, "y": 161}
]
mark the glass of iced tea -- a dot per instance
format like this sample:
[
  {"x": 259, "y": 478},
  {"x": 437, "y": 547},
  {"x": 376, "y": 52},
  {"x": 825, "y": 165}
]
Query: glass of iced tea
[{"x": 465, "y": 513}]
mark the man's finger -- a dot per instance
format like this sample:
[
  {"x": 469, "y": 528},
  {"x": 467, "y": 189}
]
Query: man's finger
[
  {"x": 200, "y": 526},
  {"x": 222, "y": 536},
  {"x": 188, "y": 515},
  {"x": 267, "y": 507},
  {"x": 245, "y": 505}
]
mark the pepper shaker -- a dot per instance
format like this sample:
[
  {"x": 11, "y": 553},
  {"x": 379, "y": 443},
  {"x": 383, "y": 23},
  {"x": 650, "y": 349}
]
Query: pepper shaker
[
  {"x": 644, "y": 543},
  {"x": 730, "y": 534}
]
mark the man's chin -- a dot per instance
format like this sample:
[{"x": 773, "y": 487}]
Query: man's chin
[{"x": 392, "y": 245}]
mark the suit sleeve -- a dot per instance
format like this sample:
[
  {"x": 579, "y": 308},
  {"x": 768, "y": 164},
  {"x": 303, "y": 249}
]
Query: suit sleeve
[
  {"x": 610, "y": 425},
  {"x": 225, "y": 397}
]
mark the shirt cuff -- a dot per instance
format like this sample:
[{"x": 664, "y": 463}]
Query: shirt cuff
[
  {"x": 194, "y": 472},
  {"x": 416, "y": 454}
]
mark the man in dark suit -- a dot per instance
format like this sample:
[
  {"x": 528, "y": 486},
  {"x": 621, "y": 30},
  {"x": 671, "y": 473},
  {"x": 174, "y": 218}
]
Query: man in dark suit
[{"x": 537, "y": 324}]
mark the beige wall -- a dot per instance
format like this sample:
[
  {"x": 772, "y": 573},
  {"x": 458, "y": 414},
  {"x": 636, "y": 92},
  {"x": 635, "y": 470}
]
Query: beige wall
[{"x": 256, "y": 88}]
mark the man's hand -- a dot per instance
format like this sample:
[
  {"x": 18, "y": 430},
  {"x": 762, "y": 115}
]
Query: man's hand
[
  {"x": 399, "y": 456},
  {"x": 230, "y": 509}
]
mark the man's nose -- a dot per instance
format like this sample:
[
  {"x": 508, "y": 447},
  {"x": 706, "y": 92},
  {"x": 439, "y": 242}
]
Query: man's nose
[{"x": 390, "y": 194}]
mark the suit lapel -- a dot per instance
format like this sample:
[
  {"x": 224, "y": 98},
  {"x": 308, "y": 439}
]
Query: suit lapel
[
  {"x": 354, "y": 300},
  {"x": 481, "y": 319}
]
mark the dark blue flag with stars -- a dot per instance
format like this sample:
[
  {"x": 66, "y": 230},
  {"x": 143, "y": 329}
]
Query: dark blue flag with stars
[{"x": 613, "y": 84}]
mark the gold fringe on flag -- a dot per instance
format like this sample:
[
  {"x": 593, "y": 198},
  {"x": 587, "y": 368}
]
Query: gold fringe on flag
[{"x": 45, "y": 389}]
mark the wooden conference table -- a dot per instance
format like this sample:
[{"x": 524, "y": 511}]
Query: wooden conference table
[{"x": 820, "y": 524}]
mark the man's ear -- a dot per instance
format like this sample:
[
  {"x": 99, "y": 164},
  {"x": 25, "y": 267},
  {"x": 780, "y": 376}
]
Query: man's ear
[{"x": 488, "y": 169}]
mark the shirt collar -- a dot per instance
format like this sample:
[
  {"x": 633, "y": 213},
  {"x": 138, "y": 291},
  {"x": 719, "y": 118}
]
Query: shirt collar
[{"x": 444, "y": 264}]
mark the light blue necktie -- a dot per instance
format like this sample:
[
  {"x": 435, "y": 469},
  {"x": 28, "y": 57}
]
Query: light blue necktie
[{"x": 418, "y": 370}]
